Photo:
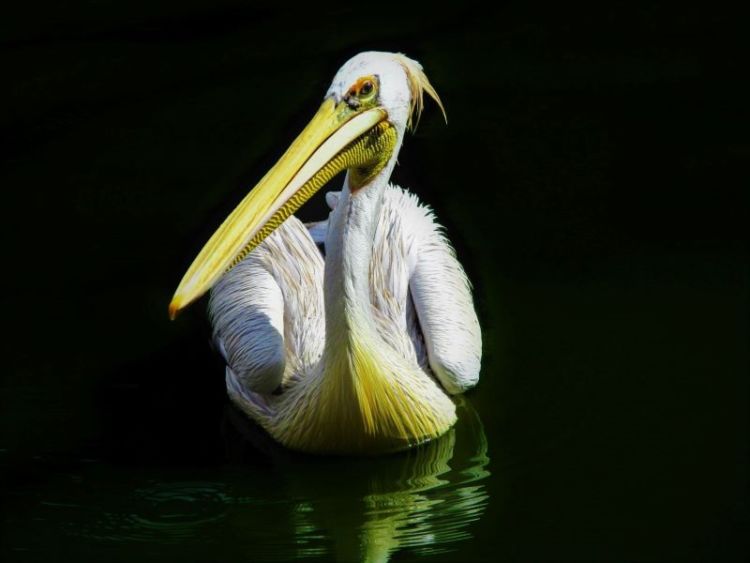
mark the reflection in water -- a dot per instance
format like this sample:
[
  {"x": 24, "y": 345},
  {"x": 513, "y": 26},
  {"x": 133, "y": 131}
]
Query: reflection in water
[
  {"x": 423, "y": 499},
  {"x": 263, "y": 502}
]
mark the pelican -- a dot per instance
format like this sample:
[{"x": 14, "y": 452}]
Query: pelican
[{"x": 359, "y": 350}]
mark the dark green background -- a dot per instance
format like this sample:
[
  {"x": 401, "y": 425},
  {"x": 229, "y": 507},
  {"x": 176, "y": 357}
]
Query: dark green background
[{"x": 584, "y": 178}]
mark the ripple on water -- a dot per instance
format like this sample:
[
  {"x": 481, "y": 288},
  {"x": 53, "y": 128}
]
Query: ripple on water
[{"x": 164, "y": 513}]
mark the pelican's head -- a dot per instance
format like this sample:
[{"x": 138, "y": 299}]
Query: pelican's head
[
  {"x": 390, "y": 81},
  {"x": 373, "y": 98}
]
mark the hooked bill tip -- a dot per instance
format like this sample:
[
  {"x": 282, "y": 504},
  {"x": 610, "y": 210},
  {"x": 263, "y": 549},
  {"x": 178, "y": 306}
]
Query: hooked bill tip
[{"x": 174, "y": 308}]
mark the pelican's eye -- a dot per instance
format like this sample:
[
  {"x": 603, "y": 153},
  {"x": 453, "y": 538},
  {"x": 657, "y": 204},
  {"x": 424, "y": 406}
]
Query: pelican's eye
[
  {"x": 363, "y": 90},
  {"x": 366, "y": 88}
]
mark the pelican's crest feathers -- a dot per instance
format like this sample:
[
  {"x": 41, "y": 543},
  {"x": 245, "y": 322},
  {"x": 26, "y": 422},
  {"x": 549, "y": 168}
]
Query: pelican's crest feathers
[{"x": 418, "y": 85}]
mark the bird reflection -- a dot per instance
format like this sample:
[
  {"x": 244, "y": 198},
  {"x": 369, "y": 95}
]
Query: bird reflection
[{"x": 422, "y": 500}]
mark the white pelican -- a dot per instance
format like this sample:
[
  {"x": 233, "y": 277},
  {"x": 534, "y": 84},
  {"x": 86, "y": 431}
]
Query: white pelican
[{"x": 357, "y": 352}]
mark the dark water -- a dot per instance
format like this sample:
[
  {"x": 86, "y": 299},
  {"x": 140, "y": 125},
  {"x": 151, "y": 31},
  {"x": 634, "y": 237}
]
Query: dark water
[{"x": 584, "y": 179}]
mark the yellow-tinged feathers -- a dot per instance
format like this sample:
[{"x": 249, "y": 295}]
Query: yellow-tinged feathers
[
  {"x": 382, "y": 400},
  {"x": 364, "y": 401},
  {"x": 418, "y": 84}
]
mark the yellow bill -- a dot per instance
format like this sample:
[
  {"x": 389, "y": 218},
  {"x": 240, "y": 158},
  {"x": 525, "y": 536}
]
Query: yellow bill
[{"x": 337, "y": 138}]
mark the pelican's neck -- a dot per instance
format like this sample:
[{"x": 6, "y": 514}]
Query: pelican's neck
[
  {"x": 351, "y": 233},
  {"x": 349, "y": 245},
  {"x": 367, "y": 397}
]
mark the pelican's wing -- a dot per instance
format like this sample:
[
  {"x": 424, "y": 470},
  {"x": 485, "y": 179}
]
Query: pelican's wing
[
  {"x": 415, "y": 270},
  {"x": 267, "y": 312}
]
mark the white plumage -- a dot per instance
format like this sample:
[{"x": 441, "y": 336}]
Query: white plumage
[
  {"x": 357, "y": 351},
  {"x": 268, "y": 313}
]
